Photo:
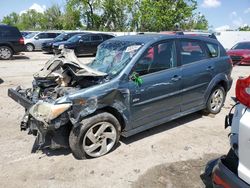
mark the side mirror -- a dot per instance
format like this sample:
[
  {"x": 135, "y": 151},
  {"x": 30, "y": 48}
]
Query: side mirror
[
  {"x": 135, "y": 77},
  {"x": 80, "y": 41},
  {"x": 37, "y": 38}
]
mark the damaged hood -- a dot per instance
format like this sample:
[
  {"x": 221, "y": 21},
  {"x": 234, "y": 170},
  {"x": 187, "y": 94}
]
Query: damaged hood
[{"x": 67, "y": 56}]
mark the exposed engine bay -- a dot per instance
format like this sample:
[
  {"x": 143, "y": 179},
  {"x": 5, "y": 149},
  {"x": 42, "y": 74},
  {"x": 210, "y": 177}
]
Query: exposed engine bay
[{"x": 60, "y": 75}]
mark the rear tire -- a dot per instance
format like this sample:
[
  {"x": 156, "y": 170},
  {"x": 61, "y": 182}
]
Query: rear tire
[
  {"x": 6, "y": 52},
  {"x": 96, "y": 136},
  {"x": 216, "y": 100}
]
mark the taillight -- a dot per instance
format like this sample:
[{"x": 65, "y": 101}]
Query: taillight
[
  {"x": 219, "y": 181},
  {"x": 243, "y": 91},
  {"x": 21, "y": 40}
]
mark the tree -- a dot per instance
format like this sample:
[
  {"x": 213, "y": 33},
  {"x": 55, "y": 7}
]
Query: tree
[
  {"x": 89, "y": 12},
  {"x": 71, "y": 18},
  {"x": 196, "y": 21},
  {"x": 31, "y": 20},
  {"x": 11, "y": 19},
  {"x": 115, "y": 15},
  {"x": 158, "y": 15},
  {"x": 244, "y": 28},
  {"x": 53, "y": 18}
]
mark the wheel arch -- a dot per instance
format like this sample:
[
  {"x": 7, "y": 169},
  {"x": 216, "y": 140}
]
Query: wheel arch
[
  {"x": 220, "y": 80},
  {"x": 8, "y": 45},
  {"x": 30, "y": 43},
  {"x": 115, "y": 113}
]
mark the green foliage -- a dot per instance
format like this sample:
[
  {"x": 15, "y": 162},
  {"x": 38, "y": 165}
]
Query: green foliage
[
  {"x": 162, "y": 14},
  {"x": 11, "y": 19},
  {"x": 113, "y": 15},
  {"x": 71, "y": 18},
  {"x": 53, "y": 18},
  {"x": 88, "y": 10},
  {"x": 244, "y": 28},
  {"x": 31, "y": 20}
]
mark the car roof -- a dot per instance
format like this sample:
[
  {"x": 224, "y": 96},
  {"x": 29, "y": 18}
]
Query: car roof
[
  {"x": 243, "y": 42},
  {"x": 7, "y": 26},
  {"x": 151, "y": 38}
]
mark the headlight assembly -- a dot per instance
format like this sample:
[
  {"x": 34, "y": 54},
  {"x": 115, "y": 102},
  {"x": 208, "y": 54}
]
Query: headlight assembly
[
  {"x": 44, "y": 111},
  {"x": 61, "y": 47}
]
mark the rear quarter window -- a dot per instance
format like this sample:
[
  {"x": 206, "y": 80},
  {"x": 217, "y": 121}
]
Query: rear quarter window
[{"x": 213, "y": 50}]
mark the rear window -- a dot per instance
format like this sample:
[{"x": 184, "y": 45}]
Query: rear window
[
  {"x": 8, "y": 32},
  {"x": 213, "y": 50},
  {"x": 191, "y": 51}
]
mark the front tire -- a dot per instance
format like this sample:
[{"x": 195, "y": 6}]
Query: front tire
[
  {"x": 96, "y": 136},
  {"x": 216, "y": 100},
  {"x": 6, "y": 52}
]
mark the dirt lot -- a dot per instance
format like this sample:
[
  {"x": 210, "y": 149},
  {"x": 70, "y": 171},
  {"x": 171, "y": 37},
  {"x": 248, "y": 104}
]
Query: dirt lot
[{"x": 171, "y": 155}]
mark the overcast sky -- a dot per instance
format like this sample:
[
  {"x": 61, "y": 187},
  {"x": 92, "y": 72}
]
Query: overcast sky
[{"x": 221, "y": 14}]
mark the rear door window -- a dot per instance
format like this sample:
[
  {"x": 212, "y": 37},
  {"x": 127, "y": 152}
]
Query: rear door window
[
  {"x": 96, "y": 38},
  {"x": 191, "y": 51},
  {"x": 85, "y": 38},
  {"x": 213, "y": 50},
  {"x": 52, "y": 35},
  {"x": 43, "y": 35}
]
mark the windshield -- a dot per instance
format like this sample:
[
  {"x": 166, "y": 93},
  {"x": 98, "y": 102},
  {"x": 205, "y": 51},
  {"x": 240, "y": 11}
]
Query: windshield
[
  {"x": 29, "y": 36},
  {"x": 241, "y": 46},
  {"x": 61, "y": 37},
  {"x": 75, "y": 38},
  {"x": 113, "y": 56}
]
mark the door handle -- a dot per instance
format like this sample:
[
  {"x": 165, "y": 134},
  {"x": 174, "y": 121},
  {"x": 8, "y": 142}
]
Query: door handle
[
  {"x": 209, "y": 68},
  {"x": 175, "y": 78}
]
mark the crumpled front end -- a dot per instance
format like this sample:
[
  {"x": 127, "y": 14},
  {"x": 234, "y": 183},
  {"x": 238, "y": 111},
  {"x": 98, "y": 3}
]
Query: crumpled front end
[{"x": 47, "y": 108}]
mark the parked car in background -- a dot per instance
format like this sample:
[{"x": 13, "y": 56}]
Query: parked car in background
[
  {"x": 240, "y": 53},
  {"x": 233, "y": 169},
  {"x": 11, "y": 41},
  {"x": 134, "y": 83},
  {"x": 34, "y": 40},
  {"x": 47, "y": 46},
  {"x": 82, "y": 44}
]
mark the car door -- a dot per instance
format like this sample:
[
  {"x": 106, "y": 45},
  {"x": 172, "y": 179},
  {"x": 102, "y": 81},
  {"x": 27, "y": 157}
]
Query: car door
[
  {"x": 197, "y": 70},
  {"x": 84, "y": 45},
  {"x": 39, "y": 39},
  {"x": 95, "y": 41},
  {"x": 157, "y": 97}
]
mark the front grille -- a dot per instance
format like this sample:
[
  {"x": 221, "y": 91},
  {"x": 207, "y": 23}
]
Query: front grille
[{"x": 236, "y": 58}]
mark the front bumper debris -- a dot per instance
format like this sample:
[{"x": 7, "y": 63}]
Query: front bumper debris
[
  {"x": 19, "y": 98},
  {"x": 52, "y": 134}
]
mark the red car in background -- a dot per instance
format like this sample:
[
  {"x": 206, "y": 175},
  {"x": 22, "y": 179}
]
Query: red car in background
[{"x": 240, "y": 53}]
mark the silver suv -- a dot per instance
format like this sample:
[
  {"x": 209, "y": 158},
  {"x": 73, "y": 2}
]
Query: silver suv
[{"x": 34, "y": 40}]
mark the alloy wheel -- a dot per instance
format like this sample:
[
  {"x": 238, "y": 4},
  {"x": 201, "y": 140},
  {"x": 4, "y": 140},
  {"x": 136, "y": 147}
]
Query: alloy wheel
[
  {"x": 99, "y": 139},
  {"x": 29, "y": 47},
  {"x": 5, "y": 53},
  {"x": 217, "y": 100}
]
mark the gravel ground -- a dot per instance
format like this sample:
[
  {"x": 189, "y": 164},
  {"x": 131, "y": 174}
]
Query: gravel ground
[{"x": 170, "y": 155}]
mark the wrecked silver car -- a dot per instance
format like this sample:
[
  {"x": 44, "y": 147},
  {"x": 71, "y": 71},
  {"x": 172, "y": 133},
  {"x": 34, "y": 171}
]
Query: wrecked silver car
[{"x": 134, "y": 83}]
